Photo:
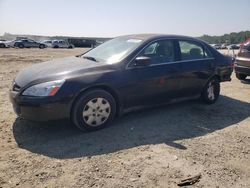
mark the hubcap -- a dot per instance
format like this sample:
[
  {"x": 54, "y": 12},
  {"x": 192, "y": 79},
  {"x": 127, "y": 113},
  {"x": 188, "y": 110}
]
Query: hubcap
[
  {"x": 96, "y": 111},
  {"x": 210, "y": 91}
]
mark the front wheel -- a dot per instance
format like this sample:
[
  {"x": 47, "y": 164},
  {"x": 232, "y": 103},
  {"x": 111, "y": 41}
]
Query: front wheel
[
  {"x": 211, "y": 91},
  {"x": 2, "y": 46},
  {"x": 94, "y": 110},
  {"x": 41, "y": 46},
  {"x": 240, "y": 76}
]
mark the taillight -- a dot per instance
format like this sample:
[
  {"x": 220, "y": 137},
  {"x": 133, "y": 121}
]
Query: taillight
[
  {"x": 232, "y": 62},
  {"x": 232, "y": 65}
]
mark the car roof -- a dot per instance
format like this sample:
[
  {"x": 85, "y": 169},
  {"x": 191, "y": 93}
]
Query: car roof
[{"x": 157, "y": 36}]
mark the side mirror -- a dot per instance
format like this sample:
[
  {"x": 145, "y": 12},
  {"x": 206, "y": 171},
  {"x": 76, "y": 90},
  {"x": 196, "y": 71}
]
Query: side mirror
[{"x": 142, "y": 61}]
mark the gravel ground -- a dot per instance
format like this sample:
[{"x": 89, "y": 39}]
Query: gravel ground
[{"x": 154, "y": 147}]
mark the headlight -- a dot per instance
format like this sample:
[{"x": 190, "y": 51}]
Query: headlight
[{"x": 44, "y": 89}]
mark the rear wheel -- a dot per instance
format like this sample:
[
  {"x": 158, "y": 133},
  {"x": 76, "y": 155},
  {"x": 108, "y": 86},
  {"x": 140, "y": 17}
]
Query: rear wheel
[
  {"x": 241, "y": 76},
  {"x": 20, "y": 46},
  {"x": 211, "y": 91},
  {"x": 94, "y": 110}
]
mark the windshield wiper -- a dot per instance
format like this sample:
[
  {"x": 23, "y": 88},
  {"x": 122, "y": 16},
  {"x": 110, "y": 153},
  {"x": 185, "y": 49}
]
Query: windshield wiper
[{"x": 90, "y": 58}]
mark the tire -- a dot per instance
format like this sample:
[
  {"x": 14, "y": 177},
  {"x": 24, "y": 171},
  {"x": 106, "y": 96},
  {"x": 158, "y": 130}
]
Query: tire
[
  {"x": 70, "y": 47},
  {"x": 241, "y": 76},
  {"x": 56, "y": 46},
  {"x": 93, "y": 110},
  {"x": 211, "y": 91},
  {"x": 2, "y": 46},
  {"x": 41, "y": 46},
  {"x": 20, "y": 46}
]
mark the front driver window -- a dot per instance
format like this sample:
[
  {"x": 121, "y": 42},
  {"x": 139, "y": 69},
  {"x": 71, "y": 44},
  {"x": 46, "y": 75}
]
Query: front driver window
[{"x": 159, "y": 52}]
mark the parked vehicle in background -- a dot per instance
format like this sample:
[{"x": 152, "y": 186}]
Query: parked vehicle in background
[
  {"x": 28, "y": 43},
  {"x": 125, "y": 72},
  {"x": 223, "y": 46},
  {"x": 48, "y": 43},
  {"x": 216, "y": 46},
  {"x": 7, "y": 44},
  {"x": 233, "y": 47},
  {"x": 3, "y": 44},
  {"x": 242, "y": 62},
  {"x": 61, "y": 44},
  {"x": 245, "y": 43}
]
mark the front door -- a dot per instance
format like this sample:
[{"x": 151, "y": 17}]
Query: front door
[{"x": 158, "y": 81}]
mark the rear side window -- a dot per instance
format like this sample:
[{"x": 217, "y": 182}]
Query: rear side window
[{"x": 192, "y": 50}]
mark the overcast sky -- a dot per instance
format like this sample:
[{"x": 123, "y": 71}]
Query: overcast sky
[{"x": 109, "y": 18}]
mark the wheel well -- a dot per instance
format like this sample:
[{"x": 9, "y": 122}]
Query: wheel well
[
  {"x": 216, "y": 76},
  {"x": 101, "y": 87}
]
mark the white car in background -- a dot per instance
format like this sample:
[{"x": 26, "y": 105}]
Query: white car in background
[
  {"x": 216, "y": 46},
  {"x": 7, "y": 43},
  {"x": 48, "y": 43},
  {"x": 61, "y": 44},
  {"x": 57, "y": 44}
]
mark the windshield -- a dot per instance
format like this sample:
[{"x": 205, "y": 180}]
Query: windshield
[{"x": 113, "y": 51}]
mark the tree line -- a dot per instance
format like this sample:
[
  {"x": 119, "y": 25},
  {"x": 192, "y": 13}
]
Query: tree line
[{"x": 232, "y": 38}]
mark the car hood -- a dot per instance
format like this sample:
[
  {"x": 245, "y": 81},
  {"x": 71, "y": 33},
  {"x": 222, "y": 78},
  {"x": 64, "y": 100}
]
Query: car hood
[{"x": 56, "y": 69}]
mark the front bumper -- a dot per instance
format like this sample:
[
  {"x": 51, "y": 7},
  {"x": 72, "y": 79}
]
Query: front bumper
[
  {"x": 242, "y": 70},
  {"x": 40, "y": 109}
]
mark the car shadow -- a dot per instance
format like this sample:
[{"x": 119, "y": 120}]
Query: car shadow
[{"x": 166, "y": 124}]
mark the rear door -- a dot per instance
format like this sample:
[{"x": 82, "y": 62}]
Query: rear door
[
  {"x": 197, "y": 66},
  {"x": 158, "y": 81}
]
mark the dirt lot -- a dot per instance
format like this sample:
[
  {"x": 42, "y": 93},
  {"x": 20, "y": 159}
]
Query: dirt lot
[{"x": 148, "y": 148}]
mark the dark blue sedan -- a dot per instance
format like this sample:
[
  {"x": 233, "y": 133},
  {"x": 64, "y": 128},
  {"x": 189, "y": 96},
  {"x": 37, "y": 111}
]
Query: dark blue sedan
[{"x": 128, "y": 71}]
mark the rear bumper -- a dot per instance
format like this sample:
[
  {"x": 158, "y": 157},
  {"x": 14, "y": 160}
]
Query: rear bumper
[{"x": 39, "y": 109}]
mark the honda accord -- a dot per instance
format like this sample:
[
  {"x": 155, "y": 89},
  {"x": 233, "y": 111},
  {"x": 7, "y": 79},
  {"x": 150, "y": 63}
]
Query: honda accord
[{"x": 125, "y": 72}]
